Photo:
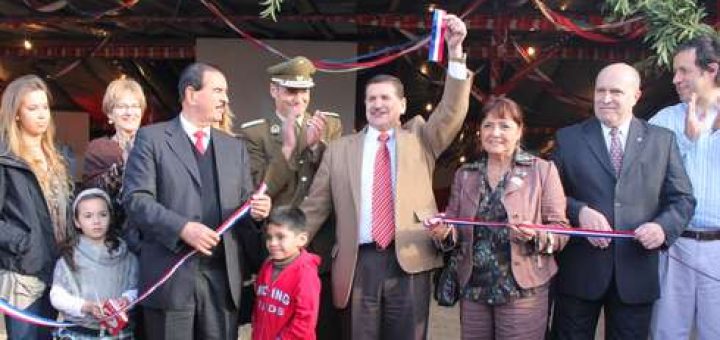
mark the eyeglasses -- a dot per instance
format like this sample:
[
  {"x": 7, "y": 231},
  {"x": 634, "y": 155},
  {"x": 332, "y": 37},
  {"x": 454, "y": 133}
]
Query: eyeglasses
[{"x": 125, "y": 107}]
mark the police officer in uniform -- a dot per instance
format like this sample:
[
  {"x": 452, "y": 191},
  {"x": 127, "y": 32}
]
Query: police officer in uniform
[
  {"x": 289, "y": 173},
  {"x": 285, "y": 149}
]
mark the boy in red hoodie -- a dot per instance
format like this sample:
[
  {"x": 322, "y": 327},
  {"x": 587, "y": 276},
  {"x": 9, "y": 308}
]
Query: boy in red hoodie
[{"x": 287, "y": 288}]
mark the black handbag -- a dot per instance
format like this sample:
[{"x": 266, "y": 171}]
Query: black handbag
[{"x": 447, "y": 289}]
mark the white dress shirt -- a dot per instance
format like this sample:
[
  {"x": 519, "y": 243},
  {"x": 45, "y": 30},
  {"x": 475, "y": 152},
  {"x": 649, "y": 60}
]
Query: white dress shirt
[{"x": 623, "y": 130}]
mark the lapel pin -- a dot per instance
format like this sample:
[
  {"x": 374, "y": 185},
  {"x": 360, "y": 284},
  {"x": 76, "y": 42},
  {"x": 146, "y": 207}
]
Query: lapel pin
[{"x": 275, "y": 129}]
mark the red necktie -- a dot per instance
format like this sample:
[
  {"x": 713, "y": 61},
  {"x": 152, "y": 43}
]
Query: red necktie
[
  {"x": 199, "y": 138},
  {"x": 616, "y": 151},
  {"x": 383, "y": 207}
]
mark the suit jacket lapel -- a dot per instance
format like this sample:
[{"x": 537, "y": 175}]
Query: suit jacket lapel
[
  {"x": 354, "y": 157},
  {"x": 403, "y": 170},
  {"x": 178, "y": 142},
  {"x": 633, "y": 145},
  {"x": 594, "y": 138}
]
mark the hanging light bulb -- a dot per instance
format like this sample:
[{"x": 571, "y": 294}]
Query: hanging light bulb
[
  {"x": 27, "y": 44},
  {"x": 531, "y": 51}
]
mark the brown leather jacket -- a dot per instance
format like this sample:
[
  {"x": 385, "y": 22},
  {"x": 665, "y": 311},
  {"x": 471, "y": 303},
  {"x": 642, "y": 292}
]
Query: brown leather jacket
[{"x": 534, "y": 194}]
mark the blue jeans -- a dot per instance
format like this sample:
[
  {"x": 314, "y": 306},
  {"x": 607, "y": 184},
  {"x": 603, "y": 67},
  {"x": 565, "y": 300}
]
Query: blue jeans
[{"x": 21, "y": 330}]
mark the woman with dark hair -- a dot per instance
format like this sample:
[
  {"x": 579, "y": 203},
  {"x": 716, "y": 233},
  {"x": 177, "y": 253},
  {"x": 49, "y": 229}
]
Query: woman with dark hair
[
  {"x": 96, "y": 267},
  {"x": 503, "y": 273},
  {"x": 34, "y": 200}
]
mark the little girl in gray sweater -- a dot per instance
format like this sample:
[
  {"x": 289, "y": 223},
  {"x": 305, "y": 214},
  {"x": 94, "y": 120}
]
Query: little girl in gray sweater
[{"x": 96, "y": 266}]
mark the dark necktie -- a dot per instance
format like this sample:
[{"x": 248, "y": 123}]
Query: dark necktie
[{"x": 616, "y": 151}]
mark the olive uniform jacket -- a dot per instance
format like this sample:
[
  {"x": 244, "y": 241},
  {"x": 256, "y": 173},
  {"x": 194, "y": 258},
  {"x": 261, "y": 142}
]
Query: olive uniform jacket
[{"x": 288, "y": 181}]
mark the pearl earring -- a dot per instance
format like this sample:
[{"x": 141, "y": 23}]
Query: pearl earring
[{"x": 110, "y": 121}]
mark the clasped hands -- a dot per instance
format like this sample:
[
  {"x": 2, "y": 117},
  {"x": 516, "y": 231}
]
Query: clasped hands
[{"x": 314, "y": 132}]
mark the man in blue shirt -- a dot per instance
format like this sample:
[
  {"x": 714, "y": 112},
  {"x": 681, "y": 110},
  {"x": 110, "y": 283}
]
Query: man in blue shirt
[{"x": 689, "y": 274}]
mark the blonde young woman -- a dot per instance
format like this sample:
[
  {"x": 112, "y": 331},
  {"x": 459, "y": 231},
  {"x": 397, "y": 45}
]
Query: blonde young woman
[{"x": 34, "y": 198}]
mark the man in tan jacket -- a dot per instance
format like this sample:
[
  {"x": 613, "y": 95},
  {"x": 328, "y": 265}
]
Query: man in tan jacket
[{"x": 383, "y": 255}]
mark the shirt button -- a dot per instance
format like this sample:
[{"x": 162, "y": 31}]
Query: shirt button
[
  {"x": 618, "y": 204},
  {"x": 303, "y": 179},
  {"x": 302, "y": 161}
]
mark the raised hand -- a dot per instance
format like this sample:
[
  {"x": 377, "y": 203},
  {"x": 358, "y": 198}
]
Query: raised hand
[
  {"x": 455, "y": 35},
  {"x": 697, "y": 122},
  {"x": 315, "y": 128}
]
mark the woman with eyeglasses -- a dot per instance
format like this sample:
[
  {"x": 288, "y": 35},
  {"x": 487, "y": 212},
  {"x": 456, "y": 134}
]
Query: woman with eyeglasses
[{"x": 105, "y": 157}]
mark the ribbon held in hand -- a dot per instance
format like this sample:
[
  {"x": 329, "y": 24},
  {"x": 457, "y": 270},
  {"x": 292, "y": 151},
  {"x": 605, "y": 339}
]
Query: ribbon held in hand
[
  {"x": 551, "y": 228},
  {"x": 437, "y": 37}
]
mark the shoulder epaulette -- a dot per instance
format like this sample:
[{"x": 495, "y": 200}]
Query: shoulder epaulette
[{"x": 252, "y": 123}]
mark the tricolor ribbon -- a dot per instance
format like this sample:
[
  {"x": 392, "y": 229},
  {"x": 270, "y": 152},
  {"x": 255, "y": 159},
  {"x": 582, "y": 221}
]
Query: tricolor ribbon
[
  {"x": 551, "y": 228},
  {"x": 13, "y": 312},
  {"x": 227, "y": 224},
  {"x": 17, "y": 314},
  {"x": 437, "y": 37}
]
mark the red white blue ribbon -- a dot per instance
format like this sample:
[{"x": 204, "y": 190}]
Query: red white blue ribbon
[
  {"x": 227, "y": 224},
  {"x": 437, "y": 37},
  {"x": 13, "y": 312},
  {"x": 17, "y": 314},
  {"x": 551, "y": 228}
]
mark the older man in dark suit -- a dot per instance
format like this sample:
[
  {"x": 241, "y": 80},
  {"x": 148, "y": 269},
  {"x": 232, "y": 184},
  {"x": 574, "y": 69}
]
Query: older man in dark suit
[
  {"x": 619, "y": 173},
  {"x": 182, "y": 179}
]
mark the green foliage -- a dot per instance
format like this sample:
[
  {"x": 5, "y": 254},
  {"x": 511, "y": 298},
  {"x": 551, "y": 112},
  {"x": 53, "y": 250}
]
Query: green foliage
[
  {"x": 669, "y": 22},
  {"x": 272, "y": 8}
]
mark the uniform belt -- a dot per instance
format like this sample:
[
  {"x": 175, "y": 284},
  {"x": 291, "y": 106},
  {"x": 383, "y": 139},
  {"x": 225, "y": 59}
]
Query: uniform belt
[{"x": 702, "y": 235}]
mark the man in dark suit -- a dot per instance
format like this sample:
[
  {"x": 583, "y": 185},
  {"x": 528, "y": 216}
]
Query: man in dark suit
[
  {"x": 619, "y": 173},
  {"x": 183, "y": 178}
]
